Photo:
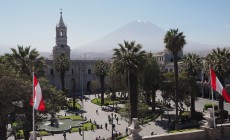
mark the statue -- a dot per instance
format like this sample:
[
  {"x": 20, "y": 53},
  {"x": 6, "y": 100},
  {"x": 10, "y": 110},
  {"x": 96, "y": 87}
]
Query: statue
[{"x": 54, "y": 121}]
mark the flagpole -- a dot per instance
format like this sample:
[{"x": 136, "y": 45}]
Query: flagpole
[
  {"x": 33, "y": 104},
  {"x": 214, "y": 121},
  {"x": 83, "y": 133},
  {"x": 213, "y": 109}
]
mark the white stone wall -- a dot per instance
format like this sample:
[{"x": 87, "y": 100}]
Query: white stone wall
[{"x": 78, "y": 70}]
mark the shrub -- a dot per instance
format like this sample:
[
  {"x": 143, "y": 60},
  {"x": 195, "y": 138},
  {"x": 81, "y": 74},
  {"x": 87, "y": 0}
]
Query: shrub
[
  {"x": 198, "y": 116},
  {"x": 225, "y": 113},
  {"x": 209, "y": 105},
  {"x": 185, "y": 116}
]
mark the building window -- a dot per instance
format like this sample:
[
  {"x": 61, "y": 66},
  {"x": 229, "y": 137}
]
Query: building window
[
  {"x": 51, "y": 71},
  {"x": 72, "y": 71},
  {"x": 89, "y": 71},
  {"x": 61, "y": 33}
]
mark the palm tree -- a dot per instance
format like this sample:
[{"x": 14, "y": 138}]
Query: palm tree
[
  {"x": 101, "y": 70},
  {"x": 192, "y": 64},
  {"x": 24, "y": 59},
  {"x": 61, "y": 64},
  {"x": 150, "y": 74},
  {"x": 174, "y": 42},
  {"x": 220, "y": 62},
  {"x": 73, "y": 92},
  {"x": 129, "y": 59}
]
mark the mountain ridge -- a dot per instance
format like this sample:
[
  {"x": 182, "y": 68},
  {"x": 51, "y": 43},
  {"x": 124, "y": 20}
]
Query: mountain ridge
[{"x": 146, "y": 33}]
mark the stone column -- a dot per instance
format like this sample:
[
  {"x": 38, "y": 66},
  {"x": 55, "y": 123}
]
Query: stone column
[
  {"x": 134, "y": 129},
  {"x": 31, "y": 136}
]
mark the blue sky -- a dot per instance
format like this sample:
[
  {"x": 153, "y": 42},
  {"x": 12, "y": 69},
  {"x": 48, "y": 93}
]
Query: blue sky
[{"x": 32, "y": 22}]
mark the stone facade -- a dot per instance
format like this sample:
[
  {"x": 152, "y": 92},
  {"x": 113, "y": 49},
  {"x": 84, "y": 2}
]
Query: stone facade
[
  {"x": 165, "y": 59},
  {"x": 61, "y": 46},
  {"x": 80, "y": 70}
]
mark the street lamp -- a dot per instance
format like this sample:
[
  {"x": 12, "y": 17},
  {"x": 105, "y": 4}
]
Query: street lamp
[
  {"x": 112, "y": 126},
  {"x": 113, "y": 96},
  {"x": 82, "y": 101}
]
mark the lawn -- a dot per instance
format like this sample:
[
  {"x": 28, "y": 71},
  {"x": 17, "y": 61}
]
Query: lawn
[
  {"x": 183, "y": 130},
  {"x": 86, "y": 126},
  {"x": 77, "y": 105},
  {"x": 73, "y": 117},
  {"x": 107, "y": 101},
  {"x": 20, "y": 133}
]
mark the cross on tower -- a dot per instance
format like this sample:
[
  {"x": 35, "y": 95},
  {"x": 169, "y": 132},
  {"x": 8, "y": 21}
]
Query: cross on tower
[{"x": 61, "y": 11}]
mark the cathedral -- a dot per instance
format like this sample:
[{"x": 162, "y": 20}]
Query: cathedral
[{"x": 80, "y": 71}]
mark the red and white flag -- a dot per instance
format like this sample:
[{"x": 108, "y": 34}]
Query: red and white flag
[
  {"x": 217, "y": 86},
  {"x": 38, "y": 102}
]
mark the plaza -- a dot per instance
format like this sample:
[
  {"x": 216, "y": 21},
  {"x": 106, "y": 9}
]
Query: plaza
[
  {"x": 138, "y": 72},
  {"x": 158, "y": 127}
]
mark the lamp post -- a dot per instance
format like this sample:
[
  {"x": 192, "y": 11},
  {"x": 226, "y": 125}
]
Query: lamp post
[
  {"x": 112, "y": 125},
  {"x": 168, "y": 120},
  {"x": 113, "y": 96},
  {"x": 82, "y": 101}
]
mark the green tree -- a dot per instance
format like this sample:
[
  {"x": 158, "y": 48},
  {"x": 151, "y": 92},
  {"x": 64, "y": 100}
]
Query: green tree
[
  {"x": 192, "y": 64},
  {"x": 94, "y": 86},
  {"x": 54, "y": 98},
  {"x": 53, "y": 101},
  {"x": 219, "y": 60},
  {"x": 150, "y": 79},
  {"x": 11, "y": 88},
  {"x": 23, "y": 59},
  {"x": 61, "y": 64},
  {"x": 167, "y": 86},
  {"x": 22, "y": 62},
  {"x": 174, "y": 42},
  {"x": 129, "y": 59},
  {"x": 101, "y": 70},
  {"x": 116, "y": 82}
]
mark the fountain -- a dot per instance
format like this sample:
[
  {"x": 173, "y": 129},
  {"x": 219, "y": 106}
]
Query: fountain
[{"x": 57, "y": 125}]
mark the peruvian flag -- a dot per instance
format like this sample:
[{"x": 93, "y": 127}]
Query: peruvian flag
[
  {"x": 217, "y": 86},
  {"x": 38, "y": 102}
]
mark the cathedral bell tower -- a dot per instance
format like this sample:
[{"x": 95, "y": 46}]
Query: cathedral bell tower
[{"x": 61, "y": 47}]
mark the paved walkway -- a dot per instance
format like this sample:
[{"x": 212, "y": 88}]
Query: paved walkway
[
  {"x": 158, "y": 127},
  {"x": 101, "y": 118}
]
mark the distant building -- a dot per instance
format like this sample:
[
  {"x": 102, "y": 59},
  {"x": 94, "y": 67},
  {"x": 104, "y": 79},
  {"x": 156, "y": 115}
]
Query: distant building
[
  {"x": 165, "y": 59},
  {"x": 80, "y": 70}
]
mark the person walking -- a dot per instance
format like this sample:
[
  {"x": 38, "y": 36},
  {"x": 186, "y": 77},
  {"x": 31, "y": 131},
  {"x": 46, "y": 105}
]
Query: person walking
[
  {"x": 113, "y": 125},
  {"x": 106, "y": 125},
  {"x": 96, "y": 111},
  {"x": 117, "y": 120},
  {"x": 126, "y": 130},
  {"x": 91, "y": 127},
  {"x": 80, "y": 130},
  {"x": 64, "y": 135}
]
